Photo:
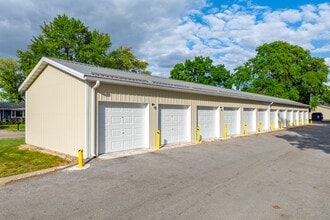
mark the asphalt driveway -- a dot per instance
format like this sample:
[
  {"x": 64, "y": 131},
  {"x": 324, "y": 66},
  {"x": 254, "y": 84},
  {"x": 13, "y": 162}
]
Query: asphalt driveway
[
  {"x": 11, "y": 134},
  {"x": 279, "y": 175}
]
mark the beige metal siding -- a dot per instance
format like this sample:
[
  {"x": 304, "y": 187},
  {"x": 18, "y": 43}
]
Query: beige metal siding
[
  {"x": 119, "y": 93},
  {"x": 324, "y": 111},
  {"x": 55, "y": 109}
]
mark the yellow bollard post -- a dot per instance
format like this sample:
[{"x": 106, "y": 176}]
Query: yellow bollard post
[
  {"x": 198, "y": 135},
  {"x": 158, "y": 139},
  {"x": 245, "y": 129},
  {"x": 289, "y": 123},
  {"x": 310, "y": 121},
  {"x": 80, "y": 158},
  {"x": 260, "y": 127},
  {"x": 225, "y": 131},
  {"x": 272, "y": 127}
]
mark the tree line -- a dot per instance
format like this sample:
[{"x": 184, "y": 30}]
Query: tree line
[{"x": 279, "y": 69}]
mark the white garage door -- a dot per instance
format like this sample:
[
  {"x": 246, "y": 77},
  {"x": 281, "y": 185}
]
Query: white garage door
[
  {"x": 249, "y": 119},
  {"x": 122, "y": 126},
  {"x": 301, "y": 118},
  {"x": 174, "y": 124},
  {"x": 274, "y": 118},
  {"x": 232, "y": 120},
  {"x": 282, "y": 117},
  {"x": 208, "y": 122},
  {"x": 262, "y": 118},
  {"x": 296, "y": 118},
  {"x": 290, "y": 117}
]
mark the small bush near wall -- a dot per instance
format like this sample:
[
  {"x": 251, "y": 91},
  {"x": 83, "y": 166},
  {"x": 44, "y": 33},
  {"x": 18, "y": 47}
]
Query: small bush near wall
[{"x": 12, "y": 121}]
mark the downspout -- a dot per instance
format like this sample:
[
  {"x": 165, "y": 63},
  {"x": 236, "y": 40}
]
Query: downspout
[
  {"x": 86, "y": 150},
  {"x": 93, "y": 130}
]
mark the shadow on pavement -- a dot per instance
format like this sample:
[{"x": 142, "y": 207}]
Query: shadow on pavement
[{"x": 316, "y": 136}]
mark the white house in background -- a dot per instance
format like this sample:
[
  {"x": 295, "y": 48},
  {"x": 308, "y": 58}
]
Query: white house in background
[{"x": 72, "y": 105}]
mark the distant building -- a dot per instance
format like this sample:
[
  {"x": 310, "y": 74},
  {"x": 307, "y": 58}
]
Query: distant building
[
  {"x": 10, "y": 111},
  {"x": 325, "y": 110}
]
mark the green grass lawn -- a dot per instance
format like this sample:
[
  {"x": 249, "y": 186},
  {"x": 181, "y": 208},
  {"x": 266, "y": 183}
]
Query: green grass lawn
[
  {"x": 15, "y": 161},
  {"x": 13, "y": 127}
]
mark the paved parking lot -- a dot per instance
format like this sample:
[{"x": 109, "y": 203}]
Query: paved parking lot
[{"x": 279, "y": 175}]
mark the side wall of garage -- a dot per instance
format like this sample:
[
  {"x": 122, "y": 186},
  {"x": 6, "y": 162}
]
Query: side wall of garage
[{"x": 55, "y": 112}]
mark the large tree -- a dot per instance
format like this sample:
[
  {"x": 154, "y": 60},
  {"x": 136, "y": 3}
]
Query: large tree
[
  {"x": 123, "y": 59},
  {"x": 283, "y": 70},
  {"x": 10, "y": 79},
  {"x": 69, "y": 39},
  {"x": 201, "y": 70}
]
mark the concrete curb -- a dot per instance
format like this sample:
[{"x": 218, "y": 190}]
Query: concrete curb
[{"x": 9, "y": 179}]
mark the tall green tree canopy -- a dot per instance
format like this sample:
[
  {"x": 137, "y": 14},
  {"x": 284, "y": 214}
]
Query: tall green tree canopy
[
  {"x": 123, "y": 59},
  {"x": 283, "y": 70},
  {"x": 10, "y": 80},
  {"x": 201, "y": 70},
  {"x": 69, "y": 39}
]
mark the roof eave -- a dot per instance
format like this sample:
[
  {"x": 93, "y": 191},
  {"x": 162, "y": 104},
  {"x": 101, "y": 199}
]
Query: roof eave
[
  {"x": 219, "y": 94},
  {"x": 41, "y": 66}
]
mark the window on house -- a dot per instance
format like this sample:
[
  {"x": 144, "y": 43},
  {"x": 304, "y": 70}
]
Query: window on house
[{"x": 19, "y": 114}]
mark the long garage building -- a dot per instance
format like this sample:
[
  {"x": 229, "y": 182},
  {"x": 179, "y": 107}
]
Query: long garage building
[{"x": 72, "y": 105}]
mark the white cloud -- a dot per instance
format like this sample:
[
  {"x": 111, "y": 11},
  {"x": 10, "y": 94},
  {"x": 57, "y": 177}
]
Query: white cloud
[
  {"x": 168, "y": 32},
  {"x": 323, "y": 49},
  {"x": 327, "y": 61},
  {"x": 291, "y": 16}
]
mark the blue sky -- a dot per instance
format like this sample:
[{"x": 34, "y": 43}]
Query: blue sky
[{"x": 165, "y": 33}]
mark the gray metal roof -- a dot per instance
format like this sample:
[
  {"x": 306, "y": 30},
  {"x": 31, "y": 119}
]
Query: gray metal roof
[
  {"x": 11, "y": 106},
  {"x": 108, "y": 75}
]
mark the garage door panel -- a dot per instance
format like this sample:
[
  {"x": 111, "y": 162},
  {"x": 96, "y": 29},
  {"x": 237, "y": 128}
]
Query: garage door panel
[
  {"x": 273, "y": 118},
  {"x": 114, "y": 133},
  {"x": 173, "y": 124},
  {"x": 127, "y": 132},
  {"x": 232, "y": 120},
  {"x": 138, "y": 120},
  {"x": 120, "y": 124},
  {"x": 138, "y": 131},
  {"x": 249, "y": 119},
  {"x": 115, "y": 120},
  {"x": 282, "y": 117},
  {"x": 208, "y": 121},
  {"x": 262, "y": 118},
  {"x": 127, "y": 120}
]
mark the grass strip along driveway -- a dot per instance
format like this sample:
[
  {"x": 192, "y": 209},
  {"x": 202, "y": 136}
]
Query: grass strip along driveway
[
  {"x": 14, "y": 160},
  {"x": 13, "y": 127}
]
